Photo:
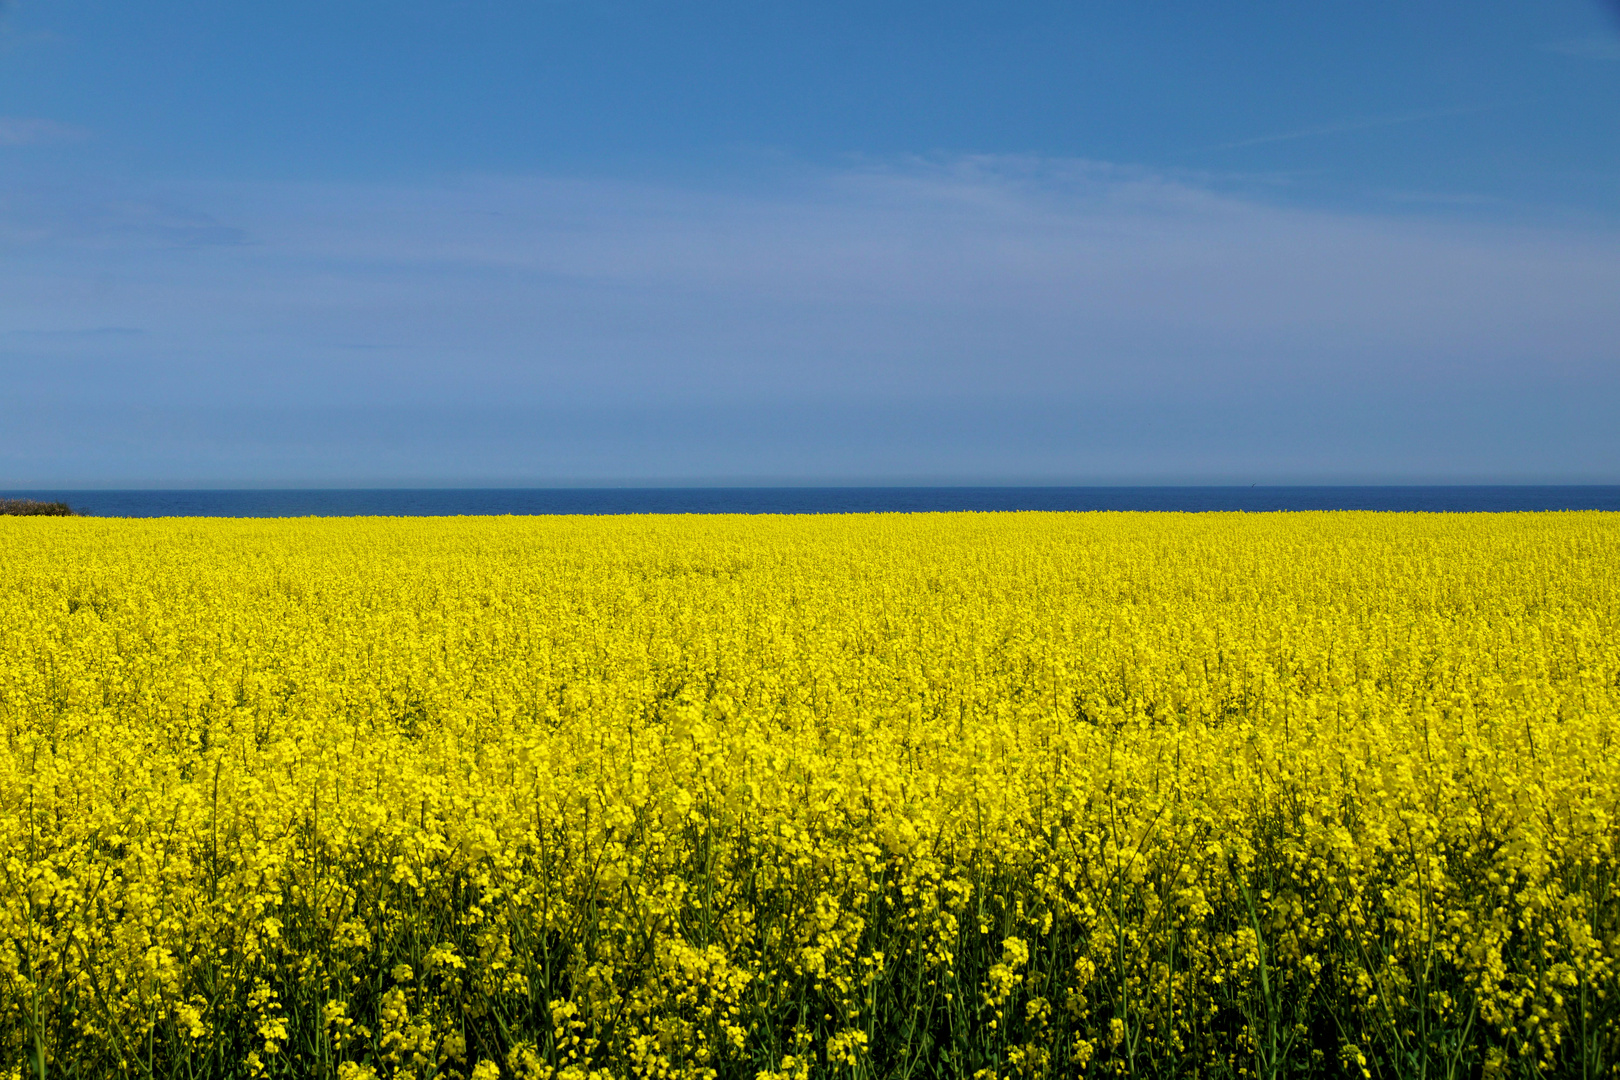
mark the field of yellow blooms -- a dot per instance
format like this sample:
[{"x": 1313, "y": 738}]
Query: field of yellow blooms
[{"x": 944, "y": 797}]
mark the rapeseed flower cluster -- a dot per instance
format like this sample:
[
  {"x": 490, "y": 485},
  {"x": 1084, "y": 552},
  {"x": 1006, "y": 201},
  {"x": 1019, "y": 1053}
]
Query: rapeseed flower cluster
[{"x": 967, "y": 796}]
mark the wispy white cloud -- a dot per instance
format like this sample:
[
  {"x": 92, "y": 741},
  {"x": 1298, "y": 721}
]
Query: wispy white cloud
[
  {"x": 34, "y": 131},
  {"x": 892, "y": 296},
  {"x": 12, "y": 41},
  {"x": 1362, "y": 124},
  {"x": 60, "y": 216},
  {"x": 1443, "y": 198},
  {"x": 1596, "y": 47},
  {"x": 71, "y": 335}
]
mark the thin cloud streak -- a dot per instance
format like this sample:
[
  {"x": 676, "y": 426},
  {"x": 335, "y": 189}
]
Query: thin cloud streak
[
  {"x": 1350, "y": 125},
  {"x": 36, "y": 131},
  {"x": 1591, "y": 48}
]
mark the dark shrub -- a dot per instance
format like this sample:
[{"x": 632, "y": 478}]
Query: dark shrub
[{"x": 35, "y": 508}]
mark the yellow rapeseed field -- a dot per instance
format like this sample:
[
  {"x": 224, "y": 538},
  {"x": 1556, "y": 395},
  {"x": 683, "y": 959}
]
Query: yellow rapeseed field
[{"x": 935, "y": 796}]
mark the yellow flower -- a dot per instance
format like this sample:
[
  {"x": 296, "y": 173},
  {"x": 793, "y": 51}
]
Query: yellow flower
[{"x": 671, "y": 798}]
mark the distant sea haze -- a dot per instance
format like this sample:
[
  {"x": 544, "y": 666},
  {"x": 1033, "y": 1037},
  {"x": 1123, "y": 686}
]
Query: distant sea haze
[{"x": 434, "y": 502}]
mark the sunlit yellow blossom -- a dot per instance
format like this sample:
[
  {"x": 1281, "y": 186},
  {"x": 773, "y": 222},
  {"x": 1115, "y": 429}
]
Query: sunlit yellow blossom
[{"x": 761, "y": 798}]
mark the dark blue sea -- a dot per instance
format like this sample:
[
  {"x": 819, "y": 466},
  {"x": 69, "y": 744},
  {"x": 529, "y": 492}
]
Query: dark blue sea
[{"x": 402, "y": 502}]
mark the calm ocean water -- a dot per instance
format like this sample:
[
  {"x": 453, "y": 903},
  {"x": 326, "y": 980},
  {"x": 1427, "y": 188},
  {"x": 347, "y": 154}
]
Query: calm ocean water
[{"x": 808, "y": 500}]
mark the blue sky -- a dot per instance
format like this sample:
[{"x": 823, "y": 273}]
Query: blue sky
[{"x": 569, "y": 242}]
